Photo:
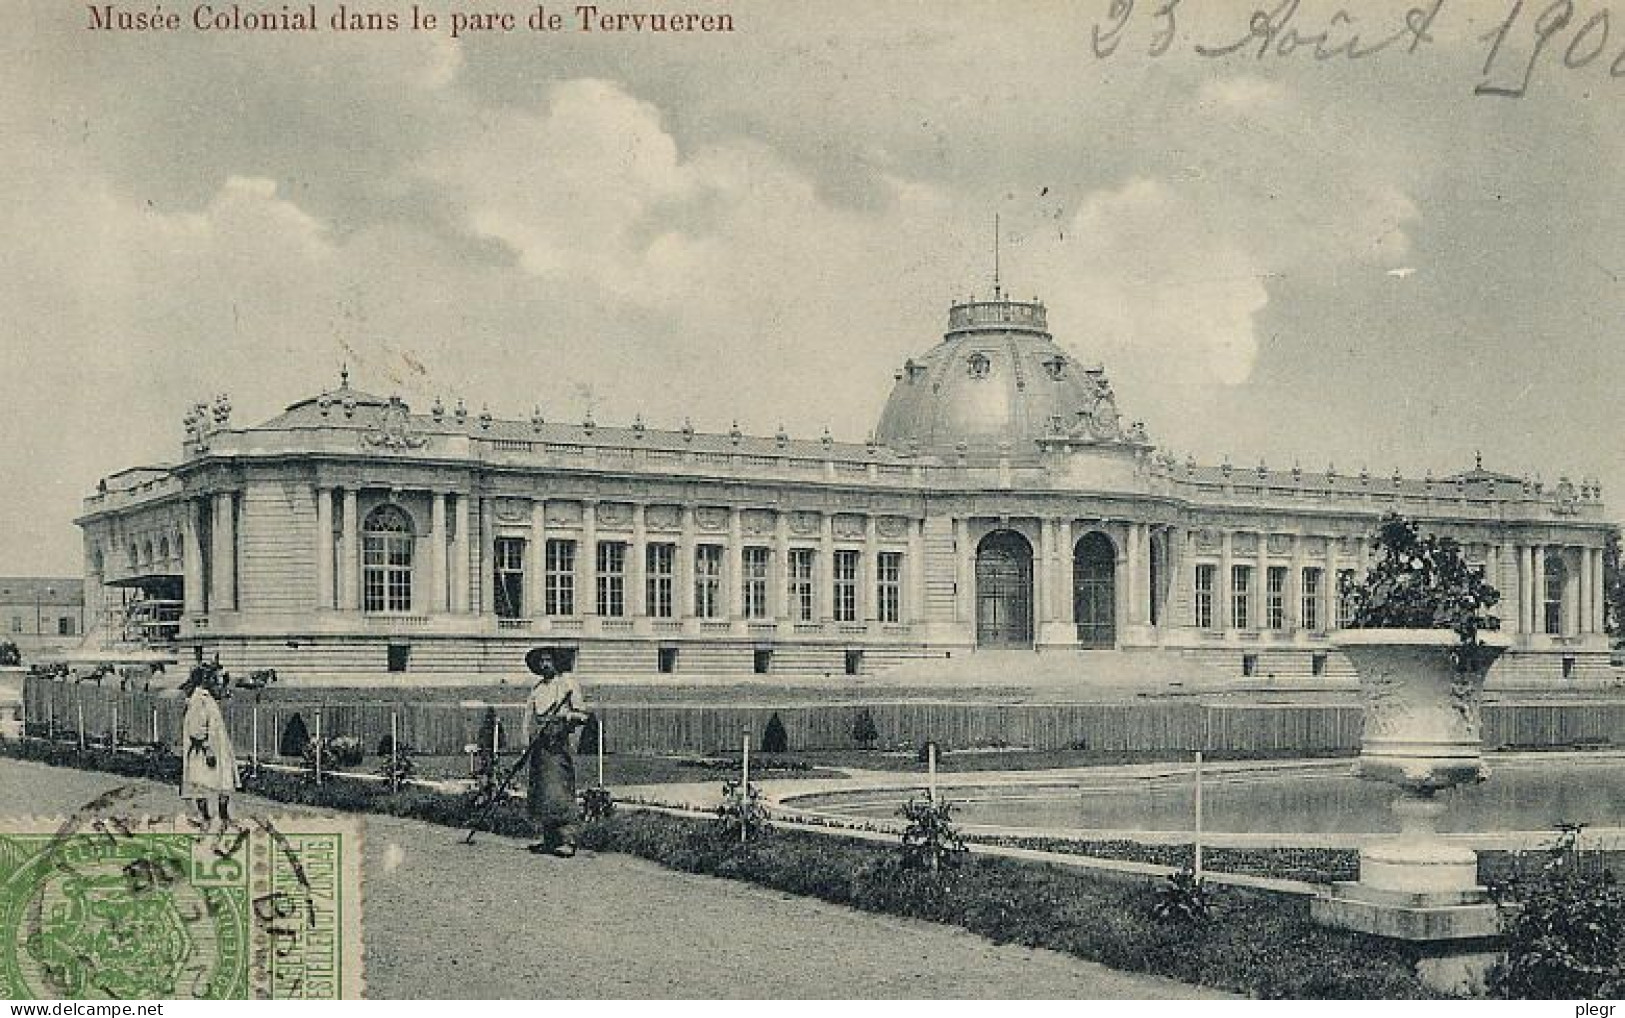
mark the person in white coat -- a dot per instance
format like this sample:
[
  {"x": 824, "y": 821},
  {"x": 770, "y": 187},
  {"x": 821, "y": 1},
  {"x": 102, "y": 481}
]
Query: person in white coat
[{"x": 208, "y": 761}]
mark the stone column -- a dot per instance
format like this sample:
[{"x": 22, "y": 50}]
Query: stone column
[
  {"x": 637, "y": 558},
  {"x": 1069, "y": 578},
  {"x": 587, "y": 561},
  {"x": 964, "y": 571},
  {"x": 826, "y": 568},
  {"x": 324, "y": 547},
  {"x": 1537, "y": 574},
  {"x": 869, "y": 573},
  {"x": 1582, "y": 617},
  {"x": 1259, "y": 593},
  {"x": 1294, "y": 585},
  {"x": 1599, "y": 592},
  {"x": 224, "y": 553},
  {"x": 913, "y": 611},
  {"x": 733, "y": 580},
  {"x": 481, "y": 593},
  {"x": 683, "y": 573},
  {"x": 1136, "y": 573},
  {"x": 439, "y": 557},
  {"x": 461, "y": 581},
  {"x": 350, "y": 561},
  {"x": 538, "y": 558},
  {"x": 195, "y": 588},
  {"x": 778, "y": 597},
  {"x": 1187, "y": 576},
  {"x": 1222, "y": 610},
  {"x": 1569, "y": 617}
]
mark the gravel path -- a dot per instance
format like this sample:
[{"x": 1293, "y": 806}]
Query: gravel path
[{"x": 448, "y": 920}]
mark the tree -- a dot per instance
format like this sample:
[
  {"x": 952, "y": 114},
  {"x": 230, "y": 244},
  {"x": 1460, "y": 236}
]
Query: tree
[
  {"x": 295, "y": 737},
  {"x": 864, "y": 732},
  {"x": 774, "y": 738},
  {"x": 1613, "y": 589}
]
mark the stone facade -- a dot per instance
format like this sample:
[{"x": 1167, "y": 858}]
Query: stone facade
[{"x": 1003, "y": 503}]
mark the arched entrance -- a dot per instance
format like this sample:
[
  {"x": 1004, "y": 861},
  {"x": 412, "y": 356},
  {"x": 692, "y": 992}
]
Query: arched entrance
[
  {"x": 1094, "y": 591},
  {"x": 1004, "y": 590}
]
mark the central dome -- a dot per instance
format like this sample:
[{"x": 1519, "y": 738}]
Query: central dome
[{"x": 996, "y": 387}]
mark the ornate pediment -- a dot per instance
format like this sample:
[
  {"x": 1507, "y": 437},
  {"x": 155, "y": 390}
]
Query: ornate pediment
[{"x": 392, "y": 429}]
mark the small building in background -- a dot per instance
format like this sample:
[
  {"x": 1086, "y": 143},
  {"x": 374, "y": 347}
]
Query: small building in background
[{"x": 42, "y": 614}]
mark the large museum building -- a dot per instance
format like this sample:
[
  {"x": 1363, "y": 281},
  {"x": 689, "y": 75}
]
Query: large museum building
[{"x": 1003, "y": 503}]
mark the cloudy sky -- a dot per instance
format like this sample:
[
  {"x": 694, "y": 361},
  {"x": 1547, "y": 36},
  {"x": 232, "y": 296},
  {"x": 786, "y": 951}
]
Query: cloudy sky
[{"x": 1360, "y": 263}]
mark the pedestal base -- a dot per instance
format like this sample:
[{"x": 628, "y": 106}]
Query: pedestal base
[{"x": 1459, "y": 930}]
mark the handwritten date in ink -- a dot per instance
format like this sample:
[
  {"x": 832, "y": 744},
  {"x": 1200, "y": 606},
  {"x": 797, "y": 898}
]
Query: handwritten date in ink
[{"x": 1564, "y": 34}]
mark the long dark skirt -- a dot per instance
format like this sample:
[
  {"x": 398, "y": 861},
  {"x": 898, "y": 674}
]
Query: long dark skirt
[{"x": 552, "y": 791}]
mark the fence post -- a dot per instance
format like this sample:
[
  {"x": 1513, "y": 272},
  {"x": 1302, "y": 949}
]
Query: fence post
[
  {"x": 254, "y": 747},
  {"x": 155, "y": 724},
  {"x": 79, "y": 714},
  {"x": 744, "y": 791},
  {"x": 113, "y": 738},
  {"x": 1196, "y": 867},
  {"x": 600, "y": 750},
  {"x": 931, "y": 769},
  {"x": 318, "y": 746},
  {"x": 394, "y": 750}
]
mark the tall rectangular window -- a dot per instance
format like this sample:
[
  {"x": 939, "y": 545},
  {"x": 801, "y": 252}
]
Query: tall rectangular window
[
  {"x": 1555, "y": 579},
  {"x": 889, "y": 586},
  {"x": 64, "y": 626},
  {"x": 802, "y": 603},
  {"x": 845, "y": 592},
  {"x": 1311, "y": 597},
  {"x": 1345, "y": 599},
  {"x": 508, "y": 579},
  {"x": 612, "y": 578},
  {"x": 559, "y": 577},
  {"x": 660, "y": 567},
  {"x": 708, "y": 580},
  {"x": 753, "y": 585},
  {"x": 1241, "y": 598},
  {"x": 1275, "y": 597},
  {"x": 1207, "y": 576}
]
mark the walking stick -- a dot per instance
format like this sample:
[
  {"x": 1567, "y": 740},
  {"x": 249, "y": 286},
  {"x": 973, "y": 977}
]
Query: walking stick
[{"x": 501, "y": 789}]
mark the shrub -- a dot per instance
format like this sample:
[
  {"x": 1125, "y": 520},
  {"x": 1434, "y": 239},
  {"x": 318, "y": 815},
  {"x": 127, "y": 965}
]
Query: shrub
[
  {"x": 864, "y": 732},
  {"x": 596, "y": 804},
  {"x": 339, "y": 752},
  {"x": 930, "y": 840},
  {"x": 1183, "y": 898},
  {"x": 1565, "y": 930},
  {"x": 1424, "y": 582},
  {"x": 295, "y": 737},
  {"x": 395, "y": 768},
  {"x": 774, "y": 738},
  {"x": 9, "y": 654},
  {"x": 742, "y": 816}
]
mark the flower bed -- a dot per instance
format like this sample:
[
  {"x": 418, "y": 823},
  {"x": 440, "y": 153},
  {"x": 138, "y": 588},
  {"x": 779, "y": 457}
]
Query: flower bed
[{"x": 1253, "y": 943}]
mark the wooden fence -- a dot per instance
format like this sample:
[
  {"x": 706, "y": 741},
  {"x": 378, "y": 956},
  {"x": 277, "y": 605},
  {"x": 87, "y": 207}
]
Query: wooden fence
[{"x": 446, "y": 728}]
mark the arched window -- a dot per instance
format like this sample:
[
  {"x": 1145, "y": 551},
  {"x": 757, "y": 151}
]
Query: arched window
[
  {"x": 386, "y": 560},
  {"x": 1557, "y": 577},
  {"x": 163, "y": 549}
]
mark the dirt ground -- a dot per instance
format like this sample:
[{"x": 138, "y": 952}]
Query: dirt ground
[{"x": 447, "y": 920}]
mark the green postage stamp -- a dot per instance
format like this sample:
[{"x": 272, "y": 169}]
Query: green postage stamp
[{"x": 98, "y": 906}]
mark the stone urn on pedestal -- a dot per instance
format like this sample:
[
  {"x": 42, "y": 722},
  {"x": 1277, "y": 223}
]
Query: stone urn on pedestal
[{"x": 1426, "y": 645}]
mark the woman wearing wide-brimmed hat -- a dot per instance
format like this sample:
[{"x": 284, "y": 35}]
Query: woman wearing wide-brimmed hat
[
  {"x": 208, "y": 762},
  {"x": 554, "y": 710}
]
